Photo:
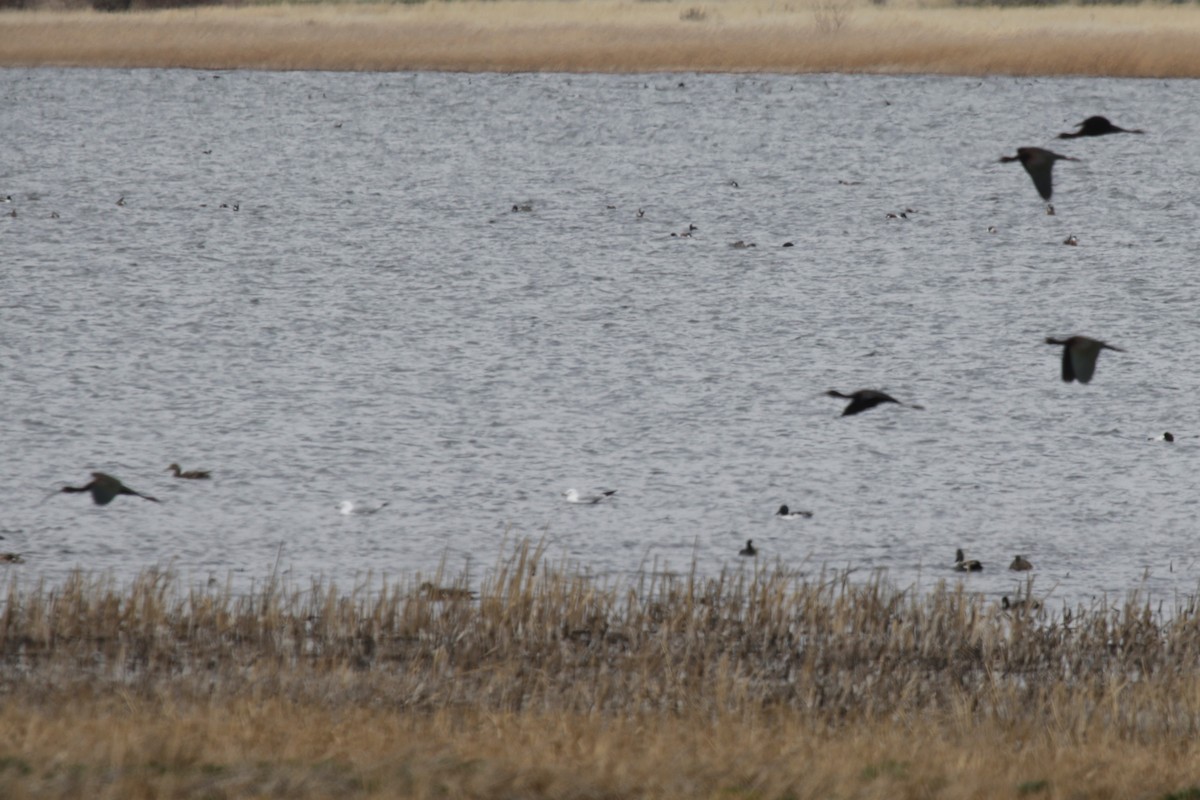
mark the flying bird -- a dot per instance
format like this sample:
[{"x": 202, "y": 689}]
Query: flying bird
[
  {"x": 1038, "y": 163},
  {"x": 865, "y": 399},
  {"x": 1079, "y": 356},
  {"x": 104, "y": 488},
  {"x": 191, "y": 474},
  {"x": 1096, "y": 126}
]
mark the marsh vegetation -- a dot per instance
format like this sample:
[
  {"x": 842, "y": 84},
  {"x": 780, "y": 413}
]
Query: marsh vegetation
[{"x": 550, "y": 683}]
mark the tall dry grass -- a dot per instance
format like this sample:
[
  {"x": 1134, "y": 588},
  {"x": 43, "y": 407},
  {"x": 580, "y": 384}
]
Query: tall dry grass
[
  {"x": 549, "y": 684},
  {"x": 614, "y": 36}
]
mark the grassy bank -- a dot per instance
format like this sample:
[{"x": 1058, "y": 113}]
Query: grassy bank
[
  {"x": 613, "y": 36},
  {"x": 548, "y": 684}
]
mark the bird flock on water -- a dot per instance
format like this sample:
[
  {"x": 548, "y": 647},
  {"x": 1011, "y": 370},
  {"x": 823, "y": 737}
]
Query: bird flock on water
[{"x": 1079, "y": 356}]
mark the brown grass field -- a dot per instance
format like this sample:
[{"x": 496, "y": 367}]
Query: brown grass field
[
  {"x": 762, "y": 684},
  {"x": 620, "y": 36}
]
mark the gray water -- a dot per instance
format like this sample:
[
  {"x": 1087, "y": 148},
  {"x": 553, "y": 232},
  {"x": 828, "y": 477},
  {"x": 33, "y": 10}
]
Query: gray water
[{"x": 375, "y": 322}]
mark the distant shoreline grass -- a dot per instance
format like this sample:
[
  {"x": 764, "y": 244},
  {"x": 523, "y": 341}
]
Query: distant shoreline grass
[
  {"x": 1143, "y": 40},
  {"x": 546, "y": 684}
]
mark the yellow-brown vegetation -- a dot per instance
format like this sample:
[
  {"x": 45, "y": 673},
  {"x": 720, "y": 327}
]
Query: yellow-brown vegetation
[
  {"x": 621, "y": 36},
  {"x": 759, "y": 684}
]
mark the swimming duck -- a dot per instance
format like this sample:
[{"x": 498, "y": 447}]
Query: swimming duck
[
  {"x": 351, "y": 508},
  {"x": 1167, "y": 437},
  {"x": 1072, "y": 240},
  {"x": 434, "y": 592},
  {"x": 1096, "y": 126},
  {"x": 1020, "y": 604},
  {"x": 1079, "y": 356},
  {"x": 191, "y": 474},
  {"x": 1038, "y": 163},
  {"x": 574, "y": 496},
  {"x": 1020, "y": 564},
  {"x": 104, "y": 488},
  {"x": 962, "y": 565},
  {"x": 865, "y": 399},
  {"x": 787, "y": 513},
  {"x": 11, "y": 558},
  {"x": 749, "y": 550}
]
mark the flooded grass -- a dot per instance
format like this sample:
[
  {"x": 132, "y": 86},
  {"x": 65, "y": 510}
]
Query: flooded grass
[
  {"x": 609, "y": 36},
  {"x": 551, "y": 684}
]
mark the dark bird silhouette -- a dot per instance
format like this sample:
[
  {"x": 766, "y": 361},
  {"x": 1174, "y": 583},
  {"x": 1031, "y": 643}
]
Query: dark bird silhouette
[
  {"x": 1168, "y": 437},
  {"x": 1079, "y": 356},
  {"x": 865, "y": 399},
  {"x": 192, "y": 474},
  {"x": 1020, "y": 564},
  {"x": 962, "y": 565},
  {"x": 1096, "y": 126},
  {"x": 104, "y": 488},
  {"x": 787, "y": 513},
  {"x": 1038, "y": 163},
  {"x": 749, "y": 549}
]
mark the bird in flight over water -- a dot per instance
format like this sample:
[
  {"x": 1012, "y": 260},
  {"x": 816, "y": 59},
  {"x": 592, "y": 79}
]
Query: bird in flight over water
[
  {"x": 865, "y": 399},
  {"x": 1038, "y": 163},
  {"x": 104, "y": 488},
  {"x": 1079, "y": 356},
  {"x": 1097, "y": 126}
]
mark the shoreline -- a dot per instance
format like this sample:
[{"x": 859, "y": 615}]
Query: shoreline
[{"x": 605, "y": 36}]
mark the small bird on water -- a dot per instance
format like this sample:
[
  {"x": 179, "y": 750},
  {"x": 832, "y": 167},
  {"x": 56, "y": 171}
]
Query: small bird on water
[
  {"x": 1020, "y": 604},
  {"x": 104, "y": 488},
  {"x": 573, "y": 496},
  {"x": 1038, "y": 163},
  {"x": 351, "y": 508},
  {"x": 1079, "y": 356},
  {"x": 787, "y": 513},
  {"x": 962, "y": 565},
  {"x": 749, "y": 550},
  {"x": 1020, "y": 564},
  {"x": 191, "y": 474},
  {"x": 1096, "y": 126},
  {"x": 865, "y": 399}
]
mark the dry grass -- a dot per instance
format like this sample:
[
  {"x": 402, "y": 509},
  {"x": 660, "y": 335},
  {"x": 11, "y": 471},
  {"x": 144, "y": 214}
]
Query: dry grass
[
  {"x": 617, "y": 36},
  {"x": 549, "y": 685}
]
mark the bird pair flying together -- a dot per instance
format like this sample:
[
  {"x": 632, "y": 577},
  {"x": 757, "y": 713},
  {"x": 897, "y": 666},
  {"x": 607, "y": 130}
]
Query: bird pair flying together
[
  {"x": 1078, "y": 364},
  {"x": 1039, "y": 163}
]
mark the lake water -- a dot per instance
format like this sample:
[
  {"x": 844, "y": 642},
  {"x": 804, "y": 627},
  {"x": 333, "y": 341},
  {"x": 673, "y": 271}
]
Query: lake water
[{"x": 369, "y": 319}]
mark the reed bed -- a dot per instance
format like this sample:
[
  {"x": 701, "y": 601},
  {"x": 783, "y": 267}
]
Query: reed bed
[
  {"x": 614, "y": 36},
  {"x": 547, "y": 683}
]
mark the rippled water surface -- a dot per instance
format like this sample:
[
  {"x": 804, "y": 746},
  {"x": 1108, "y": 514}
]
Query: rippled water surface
[{"x": 317, "y": 287}]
